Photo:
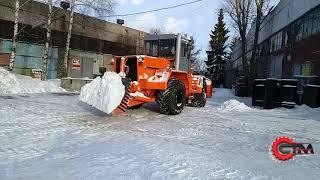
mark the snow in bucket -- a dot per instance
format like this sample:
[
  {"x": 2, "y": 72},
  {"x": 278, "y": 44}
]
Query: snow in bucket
[
  {"x": 104, "y": 93},
  {"x": 12, "y": 84},
  {"x": 234, "y": 105}
]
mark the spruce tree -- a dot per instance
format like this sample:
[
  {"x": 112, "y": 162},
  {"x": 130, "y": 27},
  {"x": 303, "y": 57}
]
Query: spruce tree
[
  {"x": 210, "y": 53},
  {"x": 217, "y": 54}
]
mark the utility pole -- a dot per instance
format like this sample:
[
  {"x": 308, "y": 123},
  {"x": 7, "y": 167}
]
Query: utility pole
[
  {"x": 66, "y": 55},
  {"x": 47, "y": 43},
  {"x": 15, "y": 35}
]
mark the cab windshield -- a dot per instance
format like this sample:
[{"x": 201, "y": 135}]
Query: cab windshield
[{"x": 161, "y": 48}]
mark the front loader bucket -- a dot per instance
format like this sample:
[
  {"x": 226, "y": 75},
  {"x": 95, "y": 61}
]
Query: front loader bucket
[{"x": 123, "y": 107}]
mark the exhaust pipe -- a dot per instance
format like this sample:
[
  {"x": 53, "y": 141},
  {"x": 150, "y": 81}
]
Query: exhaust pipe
[{"x": 178, "y": 51}]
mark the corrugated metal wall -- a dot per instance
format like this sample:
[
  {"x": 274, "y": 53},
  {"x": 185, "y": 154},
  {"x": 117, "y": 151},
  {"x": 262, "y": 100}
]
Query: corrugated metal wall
[
  {"x": 90, "y": 63},
  {"x": 29, "y": 56}
]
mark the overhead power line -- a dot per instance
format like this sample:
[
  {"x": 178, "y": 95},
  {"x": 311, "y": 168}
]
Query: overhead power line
[{"x": 154, "y": 10}]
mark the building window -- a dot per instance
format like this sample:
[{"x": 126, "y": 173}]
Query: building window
[
  {"x": 276, "y": 42},
  {"x": 307, "y": 25},
  {"x": 298, "y": 29},
  {"x": 273, "y": 43},
  {"x": 316, "y": 21},
  {"x": 279, "y": 40},
  {"x": 304, "y": 69},
  {"x": 296, "y": 69},
  {"x": 284, "y": 38}
]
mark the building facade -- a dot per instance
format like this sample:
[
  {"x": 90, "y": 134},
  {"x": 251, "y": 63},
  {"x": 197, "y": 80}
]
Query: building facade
[
  {"x": 289, "y": 41},
  {"x": 93, "y": 40}
]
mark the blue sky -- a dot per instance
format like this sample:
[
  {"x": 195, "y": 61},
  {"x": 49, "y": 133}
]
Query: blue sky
[{"x": 196, "y": 19}]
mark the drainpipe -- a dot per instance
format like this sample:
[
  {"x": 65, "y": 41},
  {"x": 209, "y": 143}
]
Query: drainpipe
[{"x": 178, "y": 51}]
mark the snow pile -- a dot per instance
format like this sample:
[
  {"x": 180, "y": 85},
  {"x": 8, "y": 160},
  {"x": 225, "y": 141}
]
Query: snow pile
[
  {"x": 234, "y": 105},
  {"x": 11, "y": 84},
  {"x": 104, "y": 93}
]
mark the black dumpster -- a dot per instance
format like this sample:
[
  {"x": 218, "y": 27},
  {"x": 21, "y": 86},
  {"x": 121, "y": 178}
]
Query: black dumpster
[
  {"x": 303, "y": 81},
  {"x": 241, "y": 88},
  {"x": 272, "y": 94},
  {"x": 288, "y": 93},
  {"x": 291, "y": 82},
  {"x": 258, "y": 92},
  {"x": 311, "y": 96}
]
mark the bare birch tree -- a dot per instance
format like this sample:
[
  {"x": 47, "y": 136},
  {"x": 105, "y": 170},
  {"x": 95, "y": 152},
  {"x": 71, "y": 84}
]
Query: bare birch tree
[
  {"x": 98, "y": 8},
  {"x": 47, "y": 42},
  {"x": 15, "y": 35},
  {"x": 240, "y": 12},
  {"x": 66, "y": 55},
  {"x": 261, "y": 7}
]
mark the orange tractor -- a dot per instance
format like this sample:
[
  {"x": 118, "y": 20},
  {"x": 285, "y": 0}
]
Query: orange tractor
[{"x": 163, "y": 75}]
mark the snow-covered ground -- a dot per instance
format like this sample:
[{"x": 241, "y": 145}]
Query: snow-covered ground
[{"x": 54, "y": 136}]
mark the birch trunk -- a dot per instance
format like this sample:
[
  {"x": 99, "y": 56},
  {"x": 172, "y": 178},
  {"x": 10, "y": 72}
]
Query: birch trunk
[
  {"x": 15, "y": 36},
  {"x": 66, "y": 55},
  {"x": 47, "y": 43}
]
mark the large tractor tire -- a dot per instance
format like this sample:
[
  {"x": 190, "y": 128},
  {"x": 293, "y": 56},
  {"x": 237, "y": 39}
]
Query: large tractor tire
[
  {"x": 200, "y": 99},
  {"x": 173, "y": 99}
]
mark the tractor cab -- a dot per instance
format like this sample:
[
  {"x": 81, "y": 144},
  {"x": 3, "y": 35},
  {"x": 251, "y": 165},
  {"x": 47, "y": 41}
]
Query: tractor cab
[{"x": 170, "y": 46}]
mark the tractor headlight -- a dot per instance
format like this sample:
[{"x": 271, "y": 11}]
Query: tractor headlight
[{"x": 140, "y": 59}]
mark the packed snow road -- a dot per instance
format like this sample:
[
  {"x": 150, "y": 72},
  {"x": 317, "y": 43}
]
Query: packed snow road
[{"x": 54, "y": 136}]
